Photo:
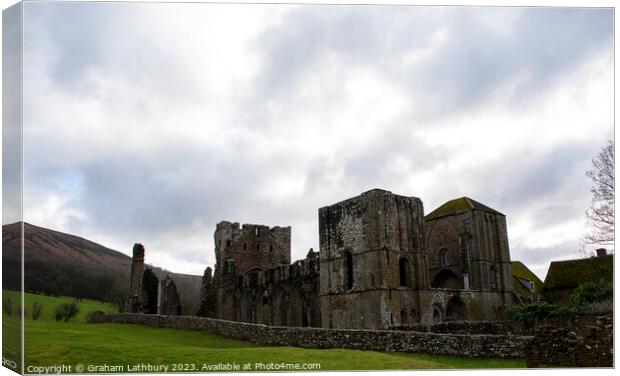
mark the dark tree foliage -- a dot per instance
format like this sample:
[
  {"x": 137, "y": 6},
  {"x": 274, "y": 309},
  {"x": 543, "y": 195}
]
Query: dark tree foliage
[
  {"x": 600, "y": 216},
  {"x": 149, "y": 291}
]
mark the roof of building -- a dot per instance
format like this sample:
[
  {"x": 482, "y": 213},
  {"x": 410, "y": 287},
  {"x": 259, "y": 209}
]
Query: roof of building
[
  {"x": 571, "y": 273},
  {"x": 459, "y": 205},
  {"x": 520, "y": 272}
]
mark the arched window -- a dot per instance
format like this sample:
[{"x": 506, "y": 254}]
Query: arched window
[
  {"x": 493, "y": 278},
  {"x": 348, "y": 266},
  {"x": 403, "y": 267},
  {"x": 444, "y": 257}
]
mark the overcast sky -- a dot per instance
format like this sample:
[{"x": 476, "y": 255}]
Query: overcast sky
[{"x": 152, "y": 122}]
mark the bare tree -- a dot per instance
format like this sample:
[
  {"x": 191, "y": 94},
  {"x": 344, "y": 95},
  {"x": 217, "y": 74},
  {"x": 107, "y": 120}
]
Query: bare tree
[{"x": 600, "y": 216}]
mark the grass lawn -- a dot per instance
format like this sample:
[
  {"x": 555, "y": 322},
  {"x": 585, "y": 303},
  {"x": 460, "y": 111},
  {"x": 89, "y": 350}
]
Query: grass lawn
[{"x": 49, "y": 342}]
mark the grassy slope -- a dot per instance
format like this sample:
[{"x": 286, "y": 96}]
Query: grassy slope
[
  {"x": 50, "y": 342},
  {"x": 11, "y": 332}
]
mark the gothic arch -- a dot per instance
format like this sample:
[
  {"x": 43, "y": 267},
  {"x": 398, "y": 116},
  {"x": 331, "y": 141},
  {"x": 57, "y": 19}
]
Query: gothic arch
[
  {"x": 446, "y": 279},
  {"x": 456, "y": 309}
]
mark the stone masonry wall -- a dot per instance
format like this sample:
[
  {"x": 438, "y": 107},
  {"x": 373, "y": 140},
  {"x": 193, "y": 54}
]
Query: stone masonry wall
[
  {"x": 562, "y": 347},
  {"x": 496, "y": 346}
]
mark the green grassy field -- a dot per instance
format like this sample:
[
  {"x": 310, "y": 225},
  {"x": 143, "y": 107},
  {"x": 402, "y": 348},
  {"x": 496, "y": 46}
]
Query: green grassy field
[{"x": 48, "y": 342}]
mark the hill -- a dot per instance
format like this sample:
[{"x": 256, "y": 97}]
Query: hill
[{"x": 56, "y": 263}]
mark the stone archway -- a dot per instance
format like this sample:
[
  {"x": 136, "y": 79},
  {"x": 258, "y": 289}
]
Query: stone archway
[
  {"x": 446, "y": 279},
  {"x": 456, "y": 309}
]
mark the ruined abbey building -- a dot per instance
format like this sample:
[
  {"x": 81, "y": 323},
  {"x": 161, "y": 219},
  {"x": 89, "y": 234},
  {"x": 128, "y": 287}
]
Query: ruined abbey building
[
  {"x": 381, "y": 265},
  {"x": 165, "y": 296}
]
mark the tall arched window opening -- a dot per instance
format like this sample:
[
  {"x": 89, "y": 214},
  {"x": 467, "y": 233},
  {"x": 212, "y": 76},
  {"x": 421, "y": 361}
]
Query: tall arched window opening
[
  {"x": 403, "y": 267},
  {"x": 348, "y": 265}
]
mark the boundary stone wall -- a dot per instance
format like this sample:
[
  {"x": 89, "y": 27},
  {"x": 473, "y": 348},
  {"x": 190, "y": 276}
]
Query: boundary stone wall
[
  {"x": 562, "y": 347},
  {"x": 494, "y": 346},
  {"x": 474, "y": 327}
]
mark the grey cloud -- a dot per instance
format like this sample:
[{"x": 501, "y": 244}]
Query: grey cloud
[
  {"x": 543, "y": 44},
  {"x": 466, "y": 71},
  {"x": 518, "y": 178},
  {"x": 106, "y": 37},
  {"x": 373, "y": 166}
]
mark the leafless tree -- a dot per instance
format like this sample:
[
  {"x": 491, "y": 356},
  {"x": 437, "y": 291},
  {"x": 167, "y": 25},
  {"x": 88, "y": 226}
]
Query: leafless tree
[{"x": 600, "y": 216}]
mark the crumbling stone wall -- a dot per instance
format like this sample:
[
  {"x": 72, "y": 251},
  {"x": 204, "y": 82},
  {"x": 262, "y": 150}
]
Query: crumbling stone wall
[
  {"x": 135, "y": 303},
  {"x": 562, "y": 347},
  {"x": 284, "y": 295},
  {"x": 170, "y": 302},
  {"x": 495, "y": 346}
]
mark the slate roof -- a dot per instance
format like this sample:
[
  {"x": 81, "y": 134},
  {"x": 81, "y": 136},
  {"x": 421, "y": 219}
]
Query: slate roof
[
  {"x": 459, "y": 205},
  {"x": 520, "y": 273},
  {"x": 570, "y": 273}
]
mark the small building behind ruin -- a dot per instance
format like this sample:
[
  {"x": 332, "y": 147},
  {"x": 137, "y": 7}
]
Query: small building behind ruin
[
  {"x": 527, "y": 285},
  {"x": 564, "y": 276}
]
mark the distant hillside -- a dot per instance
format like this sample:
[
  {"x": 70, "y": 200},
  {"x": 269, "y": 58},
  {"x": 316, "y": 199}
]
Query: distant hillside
[{"x": 62, "y": 264}]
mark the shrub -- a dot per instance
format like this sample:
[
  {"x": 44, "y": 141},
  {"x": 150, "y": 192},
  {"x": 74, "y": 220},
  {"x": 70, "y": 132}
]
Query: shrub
[
  {"x": 531, "y": 314},
  {"x": 66, "y": 311},
  {"x": 7, "y": 306},
  {"x": 19, "y": 311},
  {"x": 150, "y": 285},
  {"x": 588, "y": 293},
  {"x": 37, "y": 310}
]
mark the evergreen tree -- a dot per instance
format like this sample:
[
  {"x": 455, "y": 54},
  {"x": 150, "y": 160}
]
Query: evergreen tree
[{"x": 149, "y": 291}]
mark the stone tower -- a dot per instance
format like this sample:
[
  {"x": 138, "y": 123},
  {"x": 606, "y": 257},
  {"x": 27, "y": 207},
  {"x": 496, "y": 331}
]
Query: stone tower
[
  {"x": 372, "y": 260},
  {"x": 135, "y": 304},
  {"x": 252, "y": 246},
  {"x": 245, "y": 251},
  {"x": 468, "y": 247}
]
